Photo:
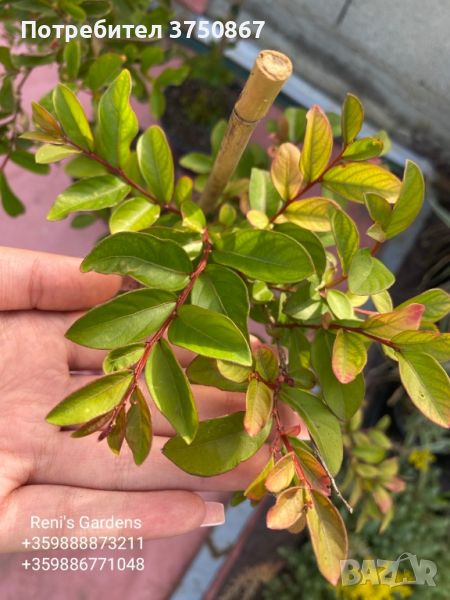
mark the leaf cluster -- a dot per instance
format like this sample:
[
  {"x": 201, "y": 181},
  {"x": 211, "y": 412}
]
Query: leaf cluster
[{"x": 275, "y": 256}]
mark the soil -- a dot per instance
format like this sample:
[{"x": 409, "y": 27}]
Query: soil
[{"x": 193, "y": 108}]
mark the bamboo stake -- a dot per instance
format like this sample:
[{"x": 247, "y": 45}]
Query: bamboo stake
[{"x": 270, "y": 72}]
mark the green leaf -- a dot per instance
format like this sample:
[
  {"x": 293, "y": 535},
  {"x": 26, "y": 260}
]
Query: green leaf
[
  {"x": 8, "y": 98},
  {"x": 27, "y": 161},
  {"x": 123, "y": 358},
  {"x": 172, "y": 76},
  {"x": 367, "y": 275},
  {"x": 380, "y": 211},
  {"x": 217, "y": 135},
  {"x": 72, "y": 58},
  {"x": 134, "y": 214},
  {"x": 266, "y": 363},
  {"x": 318, "y": 145},
  {"x": 304, "y": 304},
  {"x": 349, "y": 356},
  {"x": 138, "y": 432},
  {"x": 352, "y": 118},
  {"x": 10, "y": 202},
  {"x": 171, "y": 391},
  {"x": 160, "y": 264},
  {"x": 328, "y": 536},
  {"x": 197, "y": 162},
  {"x": 353, "y": 180},
  {"x": 257, "y": 219},
  {"x": 309, "y": 241},
  {"x": 157, "y": 101},
  {"x": 183, "y": 190},
  {"x": 223, "y": 291},
  {"x": 261, "y": 292},
  {"x": 49, "y": 153},
  {"x": 83, "y": 167},
  {"x": 92, "y": 400},
  {"x": 5, "y": 58},
  {"x": 89, "y": 194},
  {"x": 409, "y": 202},
  {"x": 262, "y": 194},
  {"x": 321, "y": 423},
  {"x": 383, "y": 301},
  {"x": 233, "y": 372},
  {"x": 282, "y": 474},
  {"x": 156, "y": 163},
  {"x": 314, "y": 214},
  {"x": 219, "y": 446},
  {"x": 264, "y": 255},
  {"x": 193, "y": 216},
  {"x": 343, "y": 399},
  {"x": 346, "y": 236},
  {"x": 285, "y": 172},
  {"x": 427, "y": 384},
  {"x": 204, "y": 371},
  {"x": 104, "y": 70},
  {"x": 340, "y": 304},
  {"x": 38, "y": 136},
  {"x": 296, "y": 120},
  {"x": 71, "y": 115},
  {"x": 123, "y": 320},
  {"x": 259, "y": 404},
  {"x": 428, "y": 342},
  {"x": 117, "y": 434},
  {"x": 256, "y": 490},
  {"x": 73, "y": 10},
  {"x": 210, "y": 334},
  {"x": 190, "y": 241},
  {"x": 117, "y": 123},
  {"x": 151, "y": 56},
  {"x": 364, "y": 149},
  {"x": 436, "y": 302}
]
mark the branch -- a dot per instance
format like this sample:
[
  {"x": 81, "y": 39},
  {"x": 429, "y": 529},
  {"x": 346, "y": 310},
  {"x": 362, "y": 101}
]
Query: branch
[
  {"x": 375, "y": 248},
  {"x": 375, "y": 338},
  {"x": 149, "y": 344},
  {"x": 303, "y": 191},
  {"x": 333, "y": 482},
  {"x": 121, "y": 174}
]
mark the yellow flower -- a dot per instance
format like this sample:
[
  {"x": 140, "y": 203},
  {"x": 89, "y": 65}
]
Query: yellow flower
[
  {"x": 379, "y": 591},
  {"x": 421, "y": 458}
]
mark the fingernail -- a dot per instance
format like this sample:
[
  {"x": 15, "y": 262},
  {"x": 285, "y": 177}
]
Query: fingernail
[{"x": 215, "y": 514}]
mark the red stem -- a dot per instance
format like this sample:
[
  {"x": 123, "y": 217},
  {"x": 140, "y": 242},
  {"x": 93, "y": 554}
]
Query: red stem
[
  {"x": 338, "y": 326},
  {"x": 137, "y": 371},
  {"x": 306, "y": 188}
]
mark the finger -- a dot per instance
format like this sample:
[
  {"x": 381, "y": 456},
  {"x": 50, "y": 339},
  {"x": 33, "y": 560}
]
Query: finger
[
  {"x": 44, "y": 281},
  {"x": 153, "y": 514},
  {"x": 89, "y": 464}
]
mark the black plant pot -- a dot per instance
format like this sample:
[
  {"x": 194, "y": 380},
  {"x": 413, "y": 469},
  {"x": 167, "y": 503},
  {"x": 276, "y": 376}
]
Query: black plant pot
[{"x": 193, "y": 108}]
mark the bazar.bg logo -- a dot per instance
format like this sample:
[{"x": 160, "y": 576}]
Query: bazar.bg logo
[{"x": 405, "y": 570}]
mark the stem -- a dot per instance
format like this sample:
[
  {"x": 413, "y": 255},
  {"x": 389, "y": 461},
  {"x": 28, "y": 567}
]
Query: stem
[
  {"x": 333, "y": 482},
  {"x": 120, "y": 173},
  {"x": 375, "y": 338},
  {"x": 375, "y": 248},
  {"x": 138, "y": 369},
  {"x": 307, "y": 187}
]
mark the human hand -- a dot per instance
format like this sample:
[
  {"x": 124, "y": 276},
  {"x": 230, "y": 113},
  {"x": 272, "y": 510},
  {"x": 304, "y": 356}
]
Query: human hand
[{"x": 46, "y": 473}]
